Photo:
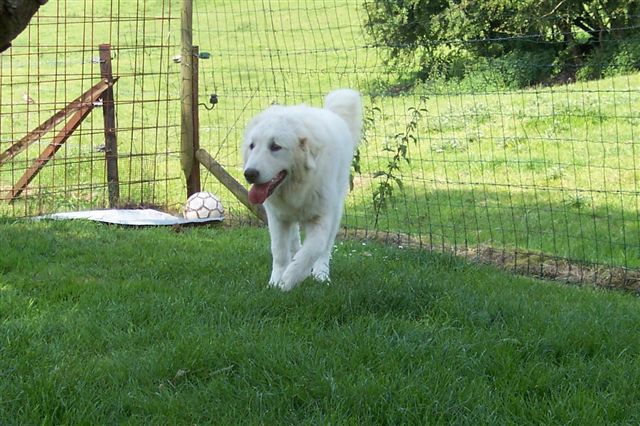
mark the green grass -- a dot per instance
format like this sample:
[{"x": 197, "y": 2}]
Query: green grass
[
  {"x": 104, "y": 324},
  {"x": 546, "y": 169}
]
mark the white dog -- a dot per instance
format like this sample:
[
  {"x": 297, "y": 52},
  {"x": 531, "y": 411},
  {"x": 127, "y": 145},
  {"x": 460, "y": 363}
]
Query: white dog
[{"x": 298, "y": 160}]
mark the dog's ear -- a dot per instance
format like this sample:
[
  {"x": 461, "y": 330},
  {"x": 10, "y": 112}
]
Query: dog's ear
[{"x": 309, "y": 154}]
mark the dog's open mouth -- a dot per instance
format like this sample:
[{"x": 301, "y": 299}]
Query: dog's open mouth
[{"x": 259, "y": 192}]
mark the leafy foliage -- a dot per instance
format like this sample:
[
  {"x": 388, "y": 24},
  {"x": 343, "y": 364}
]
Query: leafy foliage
[
  {"x": 529, "y": 41},
  {"x": 390, "y": 177}
]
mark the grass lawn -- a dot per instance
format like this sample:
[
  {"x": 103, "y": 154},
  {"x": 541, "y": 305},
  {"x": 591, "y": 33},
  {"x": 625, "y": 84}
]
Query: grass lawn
[{"x": 107, "y": 325}]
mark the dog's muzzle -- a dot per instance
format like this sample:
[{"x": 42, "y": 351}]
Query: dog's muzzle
[{"x": 251, "y": 175}]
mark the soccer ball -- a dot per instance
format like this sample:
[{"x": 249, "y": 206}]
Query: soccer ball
[{"x": 203, "y": 205}]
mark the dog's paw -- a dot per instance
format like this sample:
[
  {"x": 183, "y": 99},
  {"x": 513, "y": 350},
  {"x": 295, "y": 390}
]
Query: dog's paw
[
  {"x": 275, "y": 284},
  {"x": 288, "y": 282},
  {"x": 286, "y": 286},
  {"x": 292, "y": 277},
  {"x": 278, "y": 282},
  {"x": 321, "y": 275},
  {"x": 276, "y": 277},
  {"x": 320, "y": 271}
]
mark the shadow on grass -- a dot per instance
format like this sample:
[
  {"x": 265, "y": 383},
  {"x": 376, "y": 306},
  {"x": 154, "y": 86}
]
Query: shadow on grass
[{"x": 533, "y": 232}]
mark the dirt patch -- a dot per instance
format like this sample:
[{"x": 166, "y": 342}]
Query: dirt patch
[{"x": 527, "y": 263}]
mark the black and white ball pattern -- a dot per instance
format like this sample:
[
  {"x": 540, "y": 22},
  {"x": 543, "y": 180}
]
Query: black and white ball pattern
[{"x": 203, "y": 205}]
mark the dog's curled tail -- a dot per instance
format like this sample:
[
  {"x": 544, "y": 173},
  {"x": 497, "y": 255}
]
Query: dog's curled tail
[{"x": 347, "y": 104}]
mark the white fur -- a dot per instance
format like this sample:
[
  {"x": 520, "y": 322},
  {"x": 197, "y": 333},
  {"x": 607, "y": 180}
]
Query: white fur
[{"x": 317, "y": 146}]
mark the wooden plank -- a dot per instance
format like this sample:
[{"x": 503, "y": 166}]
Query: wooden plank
[
  {"x": 193, "y": 179},
  {"x": 239, "y": 191},
  {"x": 49, "y": 151},
  {"x": 88, "y": 97},
  {"x": 109, "y": 116}
]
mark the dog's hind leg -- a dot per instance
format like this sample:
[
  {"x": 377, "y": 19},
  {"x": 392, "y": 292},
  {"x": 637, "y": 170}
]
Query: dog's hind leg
[{"x": 320, "y": 270}]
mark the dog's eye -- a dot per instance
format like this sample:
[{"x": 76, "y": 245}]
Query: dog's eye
[
  {"x": 274, "y": 147},
  {"x": 252, "y": 145}
]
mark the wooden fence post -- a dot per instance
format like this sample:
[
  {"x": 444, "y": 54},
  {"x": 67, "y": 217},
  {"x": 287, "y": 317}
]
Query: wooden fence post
[
  {"x": 193, "y": 179},
  {"x": 187, "y": 153},
  {"x": 109, "y": 114}
]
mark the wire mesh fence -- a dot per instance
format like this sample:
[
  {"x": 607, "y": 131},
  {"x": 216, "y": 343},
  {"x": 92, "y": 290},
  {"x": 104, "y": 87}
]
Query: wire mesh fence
[
  {"x": 541, "y": 178},
  {"x": 54, "y": 61}
]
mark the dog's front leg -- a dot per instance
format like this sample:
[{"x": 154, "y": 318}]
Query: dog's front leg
[
  {"x": 316, "y": 236},
  {"x": 282, "y": 238}
]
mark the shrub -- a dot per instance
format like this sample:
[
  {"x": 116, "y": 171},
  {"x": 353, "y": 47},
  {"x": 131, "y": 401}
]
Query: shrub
[{"x": 526, "y": 42}]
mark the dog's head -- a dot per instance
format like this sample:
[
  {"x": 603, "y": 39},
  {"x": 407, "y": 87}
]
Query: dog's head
[{"x": 275, "y": 151}]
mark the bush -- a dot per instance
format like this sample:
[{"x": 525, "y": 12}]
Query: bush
[
  {"x": 527, "y": 42},
  {"x": 621, "y": 58}
]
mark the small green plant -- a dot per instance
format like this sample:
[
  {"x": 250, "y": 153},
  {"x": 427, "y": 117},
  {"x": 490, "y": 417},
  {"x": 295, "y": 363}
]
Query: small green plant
[
  {"x": 512, "y": 142},
  {"x": 555, "y": 172},
  {"x": 368, "y": 122},
  {"x": 388, "y": 179},
  {"x": 451, "y": 145},
  {"x": 577, "y": 201}
]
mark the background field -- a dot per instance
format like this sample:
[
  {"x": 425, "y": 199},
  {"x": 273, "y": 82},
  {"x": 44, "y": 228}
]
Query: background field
[
  {"x": 545, "y": 169},
  {"x": 130, "y": 326}
]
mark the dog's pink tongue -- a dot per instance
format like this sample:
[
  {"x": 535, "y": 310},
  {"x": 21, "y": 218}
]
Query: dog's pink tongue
[{"x": 259, "y": 193}]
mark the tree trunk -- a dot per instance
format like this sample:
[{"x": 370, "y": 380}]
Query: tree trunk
[{"x": 14, "y": 18}]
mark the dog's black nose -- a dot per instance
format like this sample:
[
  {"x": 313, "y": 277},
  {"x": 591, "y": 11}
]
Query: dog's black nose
[{"x": 251, "y": 175}]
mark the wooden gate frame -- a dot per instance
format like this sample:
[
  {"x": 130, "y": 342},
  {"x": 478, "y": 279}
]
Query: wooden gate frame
[{"x": 81, "y": 107}]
